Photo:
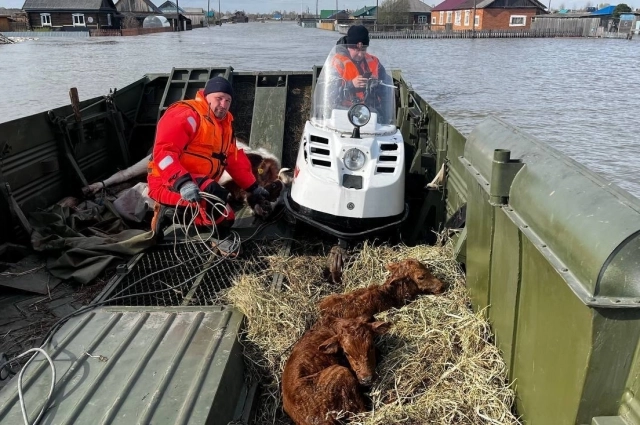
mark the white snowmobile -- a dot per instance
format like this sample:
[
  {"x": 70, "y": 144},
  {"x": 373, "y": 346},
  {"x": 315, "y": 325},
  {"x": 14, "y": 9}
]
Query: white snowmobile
[{"x": 349, "y": 174}]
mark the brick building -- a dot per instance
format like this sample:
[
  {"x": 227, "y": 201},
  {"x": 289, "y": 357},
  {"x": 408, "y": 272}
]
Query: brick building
[{"x": 488, "y": 14}]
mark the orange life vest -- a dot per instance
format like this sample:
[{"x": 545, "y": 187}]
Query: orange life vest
[
  {"x": 206, "y": 153},
  {"x": 349, "y": 70}
]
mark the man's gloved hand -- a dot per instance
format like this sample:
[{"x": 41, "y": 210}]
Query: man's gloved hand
[
  {"x": 258, "y": 201},
  {"x": 190, "y": 192},
  {"x": 261, "y": 192}
]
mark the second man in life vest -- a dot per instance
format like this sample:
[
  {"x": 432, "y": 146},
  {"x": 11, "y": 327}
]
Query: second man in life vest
[{"x": 357, "y": 70}]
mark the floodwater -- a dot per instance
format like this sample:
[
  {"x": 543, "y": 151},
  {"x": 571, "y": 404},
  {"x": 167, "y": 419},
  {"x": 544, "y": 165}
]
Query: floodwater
[{"x": 579, "y": 95}]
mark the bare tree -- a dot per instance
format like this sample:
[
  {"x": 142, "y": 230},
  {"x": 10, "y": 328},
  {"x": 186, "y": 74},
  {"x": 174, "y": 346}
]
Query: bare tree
[
  {"x": 393, "y": 12},
  {"x": 130, "y": 22}
]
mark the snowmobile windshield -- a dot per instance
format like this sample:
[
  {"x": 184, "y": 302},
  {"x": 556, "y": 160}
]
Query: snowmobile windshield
[{"x": 352, "y": 76}]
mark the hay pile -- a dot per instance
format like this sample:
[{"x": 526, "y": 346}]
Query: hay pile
[{"x": 437, "y": 364}]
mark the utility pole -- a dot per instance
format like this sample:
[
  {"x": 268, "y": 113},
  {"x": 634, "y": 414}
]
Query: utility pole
[
  {"x": 317, "y": 9},
  {"x": 177, "y": 16},
  {"x": 473, "y": 24},
  {"x": 219, "y": 15},
  {"x": 208, "y": 8},
  {"x": 375, "y": 28}
]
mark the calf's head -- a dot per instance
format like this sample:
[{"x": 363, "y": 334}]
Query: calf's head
[
  {"x": 355, "y": 337},
  {"x": 265, "y": 169},
  {"x": 418, "y": 272}
]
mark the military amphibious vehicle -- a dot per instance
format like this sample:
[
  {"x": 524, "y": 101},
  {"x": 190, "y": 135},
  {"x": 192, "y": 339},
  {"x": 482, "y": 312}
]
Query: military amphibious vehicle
[{"x": 550, "y": 251}]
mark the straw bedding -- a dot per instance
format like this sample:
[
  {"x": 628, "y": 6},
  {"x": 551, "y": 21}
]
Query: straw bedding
[{"x": 437, "y": 365}]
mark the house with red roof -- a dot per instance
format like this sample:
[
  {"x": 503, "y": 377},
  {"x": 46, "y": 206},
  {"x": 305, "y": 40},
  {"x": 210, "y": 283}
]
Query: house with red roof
[{"x": 487, "y": 14}]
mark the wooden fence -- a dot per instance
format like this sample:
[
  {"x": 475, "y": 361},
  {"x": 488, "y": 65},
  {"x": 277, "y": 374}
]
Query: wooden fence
[
  {"x": 127, "y": 32},
  {"x": 18, "y": 26},
  {"x": 584, "y": 25},
  {"x": 524, "y": 33}
]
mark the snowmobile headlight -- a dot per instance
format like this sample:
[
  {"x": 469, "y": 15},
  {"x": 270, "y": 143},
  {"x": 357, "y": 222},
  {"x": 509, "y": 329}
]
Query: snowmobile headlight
[
  {"x": 354, "y": 159},
  {"x": 359, "y": 115}
]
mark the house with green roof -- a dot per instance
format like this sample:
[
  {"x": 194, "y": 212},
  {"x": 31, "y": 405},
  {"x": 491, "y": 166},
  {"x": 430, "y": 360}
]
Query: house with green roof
[
  {"x": 334, "y": 14},
  {"x": 367, "y": 12}
]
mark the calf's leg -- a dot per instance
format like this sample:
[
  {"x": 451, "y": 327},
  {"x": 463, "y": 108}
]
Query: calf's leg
[{"x": 337, "y": 390}]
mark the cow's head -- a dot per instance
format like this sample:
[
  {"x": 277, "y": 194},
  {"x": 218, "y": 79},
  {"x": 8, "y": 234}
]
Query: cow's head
[
  {"x": 418, "y": 272},
  {"x": 355, "y": 338}
]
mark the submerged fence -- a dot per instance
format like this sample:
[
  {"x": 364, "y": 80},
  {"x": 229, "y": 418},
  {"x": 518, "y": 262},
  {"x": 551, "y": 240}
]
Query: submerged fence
[
  {"x": 127, "y": 31},
  {"x": 524, "y": 33},
  {"x": 43, "y": 34}
]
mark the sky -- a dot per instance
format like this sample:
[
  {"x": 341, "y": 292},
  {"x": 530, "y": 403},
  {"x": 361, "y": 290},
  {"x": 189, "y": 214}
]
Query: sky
[{"x": 266, "y": 6}]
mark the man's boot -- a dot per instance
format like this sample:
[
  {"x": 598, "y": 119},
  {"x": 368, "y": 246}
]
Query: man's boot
[{"x": 162, "y": 218}]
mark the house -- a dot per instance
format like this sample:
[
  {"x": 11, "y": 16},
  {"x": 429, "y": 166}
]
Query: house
[
  {"x": 70, "y": 15},
  {"x": 138, "y": 10},
  {"x": 404, "y": 12},
  {"x": 367, "y": 13},
  {"x": 16, "y": 19},
  {"x": 334, "y": 15},
  {"x": 239, "y": 17},
  {"x": 5, "y": 23},
  {"x": 607, "y": 22},
  {"x": 196, "y": 14},
  {"x": 487, "y": 14},
  {"x": 171, "y": 7},
  {"x": 418, "y": 12}
]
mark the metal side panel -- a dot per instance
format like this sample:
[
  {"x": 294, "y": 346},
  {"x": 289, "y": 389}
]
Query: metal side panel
[
  {"x": 184, "y": 83},
  {"x": 137, "y": 365},
  {"x": 267, "y": 128}
]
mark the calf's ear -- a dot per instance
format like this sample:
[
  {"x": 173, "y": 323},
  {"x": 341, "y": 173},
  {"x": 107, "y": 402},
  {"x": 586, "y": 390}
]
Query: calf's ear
[
  {"x": 380, "y": 327},
  {"x": 393, "y": 267},
  {"x": 330, "y": 346}
]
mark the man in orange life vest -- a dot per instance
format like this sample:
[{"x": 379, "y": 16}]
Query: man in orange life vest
[
  {"x": 357, "y": 69},
  {"x": 194, "y": 145}
]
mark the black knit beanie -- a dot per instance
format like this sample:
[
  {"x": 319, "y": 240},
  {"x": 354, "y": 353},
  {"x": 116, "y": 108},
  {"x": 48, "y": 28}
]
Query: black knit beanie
[
  {"x": 358, "y": 34},
  {"x": 217, "y": 85}
]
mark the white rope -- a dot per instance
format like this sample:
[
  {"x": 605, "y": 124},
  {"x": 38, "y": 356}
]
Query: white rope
[
  {"x": 21, "y": 396},
  {"x": 194, "y": 243}
]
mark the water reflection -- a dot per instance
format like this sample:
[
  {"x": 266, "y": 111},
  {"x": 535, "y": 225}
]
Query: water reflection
[{"x": 572, "y": 93}]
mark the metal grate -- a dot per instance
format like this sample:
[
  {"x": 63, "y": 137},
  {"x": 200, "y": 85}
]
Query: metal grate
[
  {"x": 220, "y": 277},
  {"x": 160, "y": 269}
]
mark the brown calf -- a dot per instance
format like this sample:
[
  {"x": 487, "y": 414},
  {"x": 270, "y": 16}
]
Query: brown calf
[
  {"x": 266, "y": 169},
  {"x": 408, "y": 279},
  {"x": 315, "y": 381}
]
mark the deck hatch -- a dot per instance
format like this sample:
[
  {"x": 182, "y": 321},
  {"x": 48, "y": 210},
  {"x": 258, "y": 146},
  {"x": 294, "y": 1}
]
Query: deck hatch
[{"x": 178, "y": 365}]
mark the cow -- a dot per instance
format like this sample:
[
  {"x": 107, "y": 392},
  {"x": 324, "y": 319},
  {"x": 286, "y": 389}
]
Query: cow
[
  {"x": 267, "y": 171},
  {"x": 408, "y": 279},
  {"x": 317, "y": 383},
  {"x": 265, "y": 166}
]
